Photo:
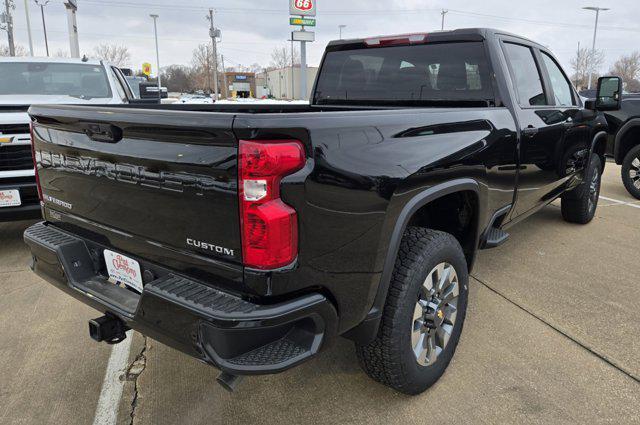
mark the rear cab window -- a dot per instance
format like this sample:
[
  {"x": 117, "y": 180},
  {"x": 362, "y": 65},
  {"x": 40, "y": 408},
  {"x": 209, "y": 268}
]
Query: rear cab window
[{"x": 425, "y": 74}]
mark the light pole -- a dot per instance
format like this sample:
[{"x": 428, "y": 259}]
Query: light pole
[
  {"x": 42, "y": 4},
  {"x": 26, "y": 11},
  {"x": 341, "y": 27},
  {"x": 155, "y": 31},
  {"x": 595, "y": 32},
  {"x": 74, "y": 46}
]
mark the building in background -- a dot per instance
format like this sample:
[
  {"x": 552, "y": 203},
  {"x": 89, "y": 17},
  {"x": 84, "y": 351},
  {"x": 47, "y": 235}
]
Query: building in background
[
  {"x": 239, "y": 85},
  {"x": 283, "y": 85}
]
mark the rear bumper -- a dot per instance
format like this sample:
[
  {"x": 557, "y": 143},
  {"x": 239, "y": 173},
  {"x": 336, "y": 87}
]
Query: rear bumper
[
  {"x": 230, "y": 333},
  {"x": 30, "y": 208}
]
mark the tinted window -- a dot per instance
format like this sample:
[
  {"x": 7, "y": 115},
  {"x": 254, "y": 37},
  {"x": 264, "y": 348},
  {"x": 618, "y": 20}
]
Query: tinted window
[
  {"x": 525, "y": 75},
  {"x": 445, "y": 72},
  {"x": 57, "y": 79},
  {"x": 561, "y": 87}
]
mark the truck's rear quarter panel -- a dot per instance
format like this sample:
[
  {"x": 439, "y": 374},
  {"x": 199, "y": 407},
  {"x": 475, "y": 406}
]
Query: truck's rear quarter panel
[{"x": 366, "y": 165}]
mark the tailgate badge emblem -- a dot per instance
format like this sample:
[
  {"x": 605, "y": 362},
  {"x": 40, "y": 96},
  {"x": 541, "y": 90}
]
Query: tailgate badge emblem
[{"x": 211, "y": 247}]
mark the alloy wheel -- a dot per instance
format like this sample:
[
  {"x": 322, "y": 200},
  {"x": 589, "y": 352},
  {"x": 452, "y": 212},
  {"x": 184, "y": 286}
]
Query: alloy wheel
[
  {"x": 434, "y": 314},
  {"x": 634, "y": 172},
  {"x": 594, "y": 190}
]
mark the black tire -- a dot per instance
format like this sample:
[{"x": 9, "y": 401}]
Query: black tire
[
  {"x": 580, "y": 205},
  {"x": 631, "y": 166},
  {"x": 390, "y": 358}
]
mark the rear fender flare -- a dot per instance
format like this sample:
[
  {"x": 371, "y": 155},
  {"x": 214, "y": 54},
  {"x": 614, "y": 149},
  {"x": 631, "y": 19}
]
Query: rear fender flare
[{"x": 367, "y": 330}]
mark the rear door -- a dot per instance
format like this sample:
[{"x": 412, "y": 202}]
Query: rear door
[
  {"x": 165, "y": 178},
  {"x": 547, "y": 110}
]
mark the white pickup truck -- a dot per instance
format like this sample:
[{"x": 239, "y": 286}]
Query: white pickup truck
[{"x": 30, "y": 81}]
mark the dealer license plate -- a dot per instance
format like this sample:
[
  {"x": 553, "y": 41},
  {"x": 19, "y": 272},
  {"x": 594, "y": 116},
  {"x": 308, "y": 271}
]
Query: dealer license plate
[
  {"x": 123, "y": 269},
  {"x": 10, "y": 198}
]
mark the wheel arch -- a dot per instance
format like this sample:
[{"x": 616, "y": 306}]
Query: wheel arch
[
  {"x": 628, "y": 136},
  {"x": 599, "y": 146},
  {"x": 367, "y": 330}
]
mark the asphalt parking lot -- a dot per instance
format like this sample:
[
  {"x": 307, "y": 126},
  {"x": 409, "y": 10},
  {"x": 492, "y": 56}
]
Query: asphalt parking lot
[{"x": 552, "y": 336}]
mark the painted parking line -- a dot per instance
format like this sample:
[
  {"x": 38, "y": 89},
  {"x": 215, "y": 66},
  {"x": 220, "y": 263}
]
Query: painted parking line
[
  {"x": 618, "y": 202},
  {"x": 112, "y": 386}
]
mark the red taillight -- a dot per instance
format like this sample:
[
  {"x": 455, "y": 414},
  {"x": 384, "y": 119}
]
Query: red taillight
[
  {"x": 35, "y": 162},
  {"x": 269, "y": 226},
  {"x": 396, "y": 40}
]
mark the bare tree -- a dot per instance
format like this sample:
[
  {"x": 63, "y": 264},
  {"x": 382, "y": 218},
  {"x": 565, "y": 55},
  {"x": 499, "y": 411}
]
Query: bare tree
[
  {"x": 202, "y": 67},
  {"x": 114, "y": 54},
  {"x": 628, "y": 67},
  {"x": 177, "y": 78},
  {"x": 20, "y": 50},
  {"x": 584, "y": 63},
  {"x": 281, "y": 57}
]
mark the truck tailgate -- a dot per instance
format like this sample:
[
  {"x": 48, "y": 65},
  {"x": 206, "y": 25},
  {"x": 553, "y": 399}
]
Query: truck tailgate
[{"x": 166, "y": 177}]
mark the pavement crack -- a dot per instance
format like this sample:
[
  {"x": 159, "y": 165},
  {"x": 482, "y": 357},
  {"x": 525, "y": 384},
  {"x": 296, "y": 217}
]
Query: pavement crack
[
  {"x": 582, "y": 345},
  {"x": 134, "y": 370}
]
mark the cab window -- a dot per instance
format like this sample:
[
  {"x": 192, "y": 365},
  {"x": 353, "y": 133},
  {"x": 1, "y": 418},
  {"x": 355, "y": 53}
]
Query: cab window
[
  {"x": 525, "y": 75},
  {"x": 562, "y": 92}
]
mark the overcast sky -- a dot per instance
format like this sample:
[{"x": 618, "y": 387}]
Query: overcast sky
[{"x": 252, "y": 28}]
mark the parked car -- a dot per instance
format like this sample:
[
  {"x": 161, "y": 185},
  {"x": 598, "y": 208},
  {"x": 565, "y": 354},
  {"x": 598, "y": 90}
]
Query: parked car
[
  {"x": 624, "y": 141},
  {"x": 30, "y": 81},
  {"x": 251, "y": 236}
]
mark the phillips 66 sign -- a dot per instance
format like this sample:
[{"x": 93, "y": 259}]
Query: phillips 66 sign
[{"x": 302, "y": 7}]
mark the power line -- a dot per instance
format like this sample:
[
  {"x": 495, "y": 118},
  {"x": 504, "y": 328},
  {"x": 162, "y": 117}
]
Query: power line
[{"x": 225, "y": 10}]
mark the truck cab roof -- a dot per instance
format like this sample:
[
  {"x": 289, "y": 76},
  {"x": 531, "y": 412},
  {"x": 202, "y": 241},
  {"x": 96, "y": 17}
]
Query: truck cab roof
[{"x": 460, "y": 34}]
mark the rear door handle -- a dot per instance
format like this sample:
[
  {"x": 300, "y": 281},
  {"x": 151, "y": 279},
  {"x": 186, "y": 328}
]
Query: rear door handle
[{"x": 529, "y": 131}]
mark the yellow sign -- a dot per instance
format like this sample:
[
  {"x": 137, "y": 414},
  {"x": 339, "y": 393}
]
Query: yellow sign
[
  {"x": 6, "y": 139},
  {"x": 146, "y": 68}
]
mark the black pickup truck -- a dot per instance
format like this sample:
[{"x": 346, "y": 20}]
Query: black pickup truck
[
  {"x": 251, "y": 237},
  {"x": 624, "y": 141}
]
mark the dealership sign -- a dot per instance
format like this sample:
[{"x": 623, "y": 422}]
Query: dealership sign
[{"x": 302, "y": 7}]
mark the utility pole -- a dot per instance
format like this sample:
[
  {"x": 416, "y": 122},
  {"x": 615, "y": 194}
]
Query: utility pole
[
  {"x": 42, "y": 4},
  {"x": 595, "y": 32},
  {"x": 214, "y": 33},
  {"x": 155, "y": 30},
  {"x": 443, "y": 13},
  {"x": 9, "y": 23},
  {"x": 341, "y": 27},
  {"x": 74, "y": 46},
  {"x": 26, "y": 11}
]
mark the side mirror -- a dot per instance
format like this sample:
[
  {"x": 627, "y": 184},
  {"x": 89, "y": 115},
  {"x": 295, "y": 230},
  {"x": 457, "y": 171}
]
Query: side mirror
[{"x": 609, "y": 96}]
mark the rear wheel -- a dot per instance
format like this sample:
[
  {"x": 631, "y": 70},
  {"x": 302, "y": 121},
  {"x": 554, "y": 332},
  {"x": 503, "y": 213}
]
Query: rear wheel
[
  {"x": 631, "y": 172},
  {"x": 423, "y": 316},
  {"x": 579, "y": 205}
]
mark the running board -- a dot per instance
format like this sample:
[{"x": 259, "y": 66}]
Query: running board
[{"x": 495, "y": 237}]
